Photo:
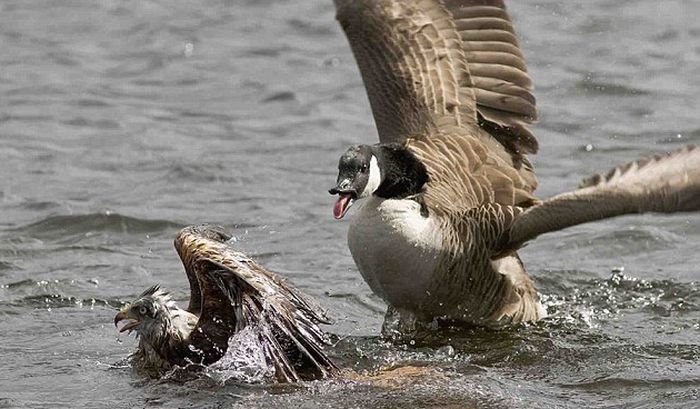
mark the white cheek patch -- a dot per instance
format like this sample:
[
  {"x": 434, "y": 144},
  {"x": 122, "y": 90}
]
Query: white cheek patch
[{"x": 375, "y": 178}]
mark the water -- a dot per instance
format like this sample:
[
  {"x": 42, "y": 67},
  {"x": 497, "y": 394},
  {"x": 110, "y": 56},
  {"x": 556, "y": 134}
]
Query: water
[{"x": 122, "y": 121}]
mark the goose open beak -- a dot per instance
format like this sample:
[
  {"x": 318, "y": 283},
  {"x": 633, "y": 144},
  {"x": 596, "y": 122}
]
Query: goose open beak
[
  {"x": 346, "y": 196},
  {"x": 345, "y": 200}
]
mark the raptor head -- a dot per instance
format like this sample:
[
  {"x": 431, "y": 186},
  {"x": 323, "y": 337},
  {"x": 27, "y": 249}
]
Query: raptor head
[{"x": 150, "y": 315}]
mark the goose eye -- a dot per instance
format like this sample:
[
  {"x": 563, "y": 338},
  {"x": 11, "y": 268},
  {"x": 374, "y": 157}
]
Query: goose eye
[
  {"x": 363, "y": 169},
  {"x": 143, "y": 310}
]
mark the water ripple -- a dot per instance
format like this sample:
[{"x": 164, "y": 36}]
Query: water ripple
[{"x": 59, "y": 227}]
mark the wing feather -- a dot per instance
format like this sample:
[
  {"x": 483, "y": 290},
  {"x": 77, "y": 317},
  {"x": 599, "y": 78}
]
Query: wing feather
[
  {"x": 275, "y": 353},
  {"x": 218, "y": 319},
  {"x": 464, "y": 174},
  {"x": 503, "y": 89},
  {"x": 411, "y": 60},
  {"x": 663, "y": 183},
  {"x": 237, "y": 292},
  {"x": 212, "y": 232}
]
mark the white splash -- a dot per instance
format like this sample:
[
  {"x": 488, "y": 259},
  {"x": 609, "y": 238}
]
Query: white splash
[{"x": 244, "y": 360}]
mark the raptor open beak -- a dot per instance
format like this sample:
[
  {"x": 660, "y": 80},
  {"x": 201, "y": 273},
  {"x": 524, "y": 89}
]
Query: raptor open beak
[{"x": 123, "y": 322}]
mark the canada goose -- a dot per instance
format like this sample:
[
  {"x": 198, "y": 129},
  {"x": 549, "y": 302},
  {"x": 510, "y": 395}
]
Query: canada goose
[
  {"x": 449, "y": 189},
  {"x": 228, "y": 292}
]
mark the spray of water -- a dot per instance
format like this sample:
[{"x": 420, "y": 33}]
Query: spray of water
[{"x": 244, "y": 361}]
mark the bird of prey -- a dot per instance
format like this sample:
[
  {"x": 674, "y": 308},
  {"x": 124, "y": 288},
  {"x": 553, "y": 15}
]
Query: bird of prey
[
  {"x": 449, "y": 191},
  {"x": 228, "y": 292}
]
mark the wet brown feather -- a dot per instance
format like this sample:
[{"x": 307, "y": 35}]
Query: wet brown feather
[{"x": 236, "y": 293}]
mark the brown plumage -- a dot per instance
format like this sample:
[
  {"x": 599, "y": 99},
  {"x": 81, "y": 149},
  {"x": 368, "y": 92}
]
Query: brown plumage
[
  {"x": 448, "y": 84},
  {"x": 228, "y": 292}
]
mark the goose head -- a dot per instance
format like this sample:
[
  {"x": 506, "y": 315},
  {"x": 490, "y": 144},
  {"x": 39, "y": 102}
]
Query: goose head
[{"x": 359, "y": 176}]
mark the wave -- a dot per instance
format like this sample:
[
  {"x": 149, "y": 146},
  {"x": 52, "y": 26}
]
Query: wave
[
  {"x": 55, "y": 227},
  {"x": 50, "y": 294}
]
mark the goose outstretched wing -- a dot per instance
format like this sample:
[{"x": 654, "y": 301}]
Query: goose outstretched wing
[
  {"x": 430, "y": 65},
  {"x": 663, "y": 184}
]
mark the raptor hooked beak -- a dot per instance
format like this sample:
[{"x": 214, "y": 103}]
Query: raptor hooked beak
[
  {"x": 124, "y": 322},
  {"x": 346, "y": 197}
]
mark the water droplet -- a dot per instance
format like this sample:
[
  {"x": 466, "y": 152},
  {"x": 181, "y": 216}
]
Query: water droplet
[
  {"x": 189, "y": 49},
  {"x": 447, "y": 350},
  {"x": 331, "y": 62},
  {"x": 589, "y": 147}
]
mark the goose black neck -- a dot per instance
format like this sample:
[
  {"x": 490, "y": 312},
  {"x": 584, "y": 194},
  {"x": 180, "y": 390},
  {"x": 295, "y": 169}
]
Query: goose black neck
[{"x": 403, "y": 174}]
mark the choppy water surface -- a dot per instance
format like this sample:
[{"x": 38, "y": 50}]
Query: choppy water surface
[{"x": 122, "y": 121}]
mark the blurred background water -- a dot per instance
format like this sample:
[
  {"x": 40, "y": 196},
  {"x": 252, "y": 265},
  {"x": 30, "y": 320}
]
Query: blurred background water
[{"x": 122, "y": 121}]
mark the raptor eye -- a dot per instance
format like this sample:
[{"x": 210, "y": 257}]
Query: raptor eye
[{"x": 143, "y": 310}]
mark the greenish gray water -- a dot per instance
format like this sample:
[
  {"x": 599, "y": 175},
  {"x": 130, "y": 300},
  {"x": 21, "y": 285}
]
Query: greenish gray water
[{"x": 122, "y": 121}]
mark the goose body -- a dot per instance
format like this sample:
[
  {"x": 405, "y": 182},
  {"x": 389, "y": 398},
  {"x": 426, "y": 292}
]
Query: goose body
[
  {"x": 449, "y": 191},
  {"x": 391, "y": 241},
  {"x": 401, "y": 254}
]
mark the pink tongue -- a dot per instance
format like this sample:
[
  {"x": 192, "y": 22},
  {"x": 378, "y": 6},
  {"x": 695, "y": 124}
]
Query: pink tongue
[{"x": 341, "y": 206}]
